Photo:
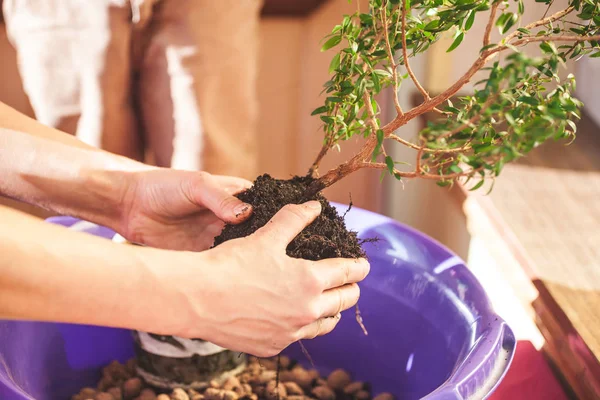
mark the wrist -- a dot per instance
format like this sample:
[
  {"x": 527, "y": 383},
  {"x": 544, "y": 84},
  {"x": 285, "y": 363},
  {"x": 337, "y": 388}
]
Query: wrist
[
  {"x": 110, "y": 190},
  {"x": 176, "y": 288}
]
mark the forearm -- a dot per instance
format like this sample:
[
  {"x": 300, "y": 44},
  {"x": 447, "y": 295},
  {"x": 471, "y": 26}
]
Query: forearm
[
  {"x": 49, "y": 273},
  {"x": 54, "y": 170}
]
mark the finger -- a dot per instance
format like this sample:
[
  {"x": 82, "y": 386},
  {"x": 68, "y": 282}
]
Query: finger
[
  {"x": 223, "y": 204},
  {"x": 334, "y": 301},
  {"x": 232, "y": 184},
  {"x": 334, "y": 272},
  {"x": 320, "y": 327},
  {"x": 289, "y": 222}
]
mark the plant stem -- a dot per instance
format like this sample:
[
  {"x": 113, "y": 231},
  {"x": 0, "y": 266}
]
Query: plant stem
[
  {"x": 390, "y": 55},
  {"x": 405, "y": 55}
]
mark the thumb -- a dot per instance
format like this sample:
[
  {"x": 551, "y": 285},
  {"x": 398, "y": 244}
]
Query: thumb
[{"x": 221, "y": 202}]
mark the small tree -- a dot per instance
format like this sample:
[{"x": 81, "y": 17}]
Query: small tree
[{"x": 508, "y": 114}]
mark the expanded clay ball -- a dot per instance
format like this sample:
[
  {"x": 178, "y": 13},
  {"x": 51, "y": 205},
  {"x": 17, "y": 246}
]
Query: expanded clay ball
[
  {"x": 179, "y": 394},
  {"x": 339, "y": 379},
  {"x": 103, "y": 396},
  {"x": 116, "y": 393},
  {"x": 132, "y": 387},
  {"x": 163, "y": 397},
  {"x": 314, "y": 374},
  {"x": 213, "y": 394},
  {"x": 302, "y": 378},
  {"x": 85, "y": 393},
  {"x": 384, "y": 396},
  {"x": 285, "y": 362},
  {"x": 268, "y": 363},
  {"x": 362, "y": 395},
  {"x": 230, "y": 395},
  {"x": 323, "y": 393},
  {"x": 231, "y": 383},
  {"x": 293, "y": 389},
  {"x": 147, "y": 394},
  {"x": 353, "y": 388},
  {"x": 274, "y": 391}
]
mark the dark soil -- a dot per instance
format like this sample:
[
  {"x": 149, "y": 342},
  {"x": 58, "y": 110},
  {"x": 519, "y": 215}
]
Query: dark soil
[
  {"x": 326, "y": 237},
  {"x": 259, "y": 381}
]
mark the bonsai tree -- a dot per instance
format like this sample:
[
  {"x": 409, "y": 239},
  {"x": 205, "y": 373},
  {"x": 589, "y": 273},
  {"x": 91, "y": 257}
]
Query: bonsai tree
[
  {"x": 508, "y": 114},
  {"x": 520, "y": 103}
]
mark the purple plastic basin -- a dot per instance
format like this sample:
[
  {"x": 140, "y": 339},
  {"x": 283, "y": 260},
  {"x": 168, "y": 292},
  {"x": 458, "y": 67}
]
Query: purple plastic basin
[{"x": 432, "y": 331}]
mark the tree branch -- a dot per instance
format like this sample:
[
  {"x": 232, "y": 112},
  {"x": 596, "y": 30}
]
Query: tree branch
[
  {"x": 388, "y": 48},
  {"x": 405, "y": 55},
  {"x": 370, "y": 111},
  {"x": 488, "y": 29}
]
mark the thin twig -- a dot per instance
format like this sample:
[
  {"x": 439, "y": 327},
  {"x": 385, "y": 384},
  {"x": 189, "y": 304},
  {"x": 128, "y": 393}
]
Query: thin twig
[
  {"x": 388, "y": 47},
  {"x": 370, "y": 111},
  {"x": 541, "y": 22},
  {"x": 471, "y": 121},
  {"x": 548, "y": 8},
  {"x": 426, "y": 149},
  {"x": 384, "y": 166},
  {"x": 405, "y": 55},
  {"x": 424, "y": 175},
  {"x": 488, "y": 29},
  {"x": 557, "y": 38},
  {"x": 419, "y": 156}
]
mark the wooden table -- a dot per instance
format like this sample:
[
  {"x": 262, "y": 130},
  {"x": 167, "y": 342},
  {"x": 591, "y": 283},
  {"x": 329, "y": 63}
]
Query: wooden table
[{"x": 545, "y": 208}]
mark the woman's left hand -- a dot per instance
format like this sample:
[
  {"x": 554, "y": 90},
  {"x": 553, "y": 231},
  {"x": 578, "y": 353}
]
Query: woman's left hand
[{"x": 180, "y": 210}]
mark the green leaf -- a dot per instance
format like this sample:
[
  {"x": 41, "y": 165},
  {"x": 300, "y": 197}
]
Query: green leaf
[
  {"x": 390, "y": 164},
  {"x": 335, "y": 63},
  {"x": 529, "y": 100},
  {"x": 319, "y": 110},
  {"x": 521, "y": 7},
  {"x": 510, "y": 21},
  {"x": 443, "y": 183},
  {"x": 332, "y": 42},
  {"x": 478, "y": 185},
  {"x": 379, "y": 135},
  {"x": 366, "y": 19},
  {"x": 470, "y": 20},
  {"x": 376, "y": 82},
  {"x": 456, "y": 42},
  {"x": 595, "y": 55},
  {"x": 524, "y": 31},
  {"x": 456, "y": 169},
  {"x": 489, "y": 46}
]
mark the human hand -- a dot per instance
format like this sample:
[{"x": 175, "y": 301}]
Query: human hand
[
  {"x": 247, "y": 295},
  {"x": 180, "y": 210}
]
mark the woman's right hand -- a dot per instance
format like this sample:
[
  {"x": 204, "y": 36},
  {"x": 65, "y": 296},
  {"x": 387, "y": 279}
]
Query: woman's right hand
[{"x": 247, "y": 295}]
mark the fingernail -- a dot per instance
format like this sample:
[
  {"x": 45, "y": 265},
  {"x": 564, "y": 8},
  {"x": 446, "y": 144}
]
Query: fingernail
[
  {"x": 241, "y": 209},
  {"x": 315, "y": 205}
]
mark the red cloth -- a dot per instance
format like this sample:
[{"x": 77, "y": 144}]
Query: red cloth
[{"x": 529, "y": 378}]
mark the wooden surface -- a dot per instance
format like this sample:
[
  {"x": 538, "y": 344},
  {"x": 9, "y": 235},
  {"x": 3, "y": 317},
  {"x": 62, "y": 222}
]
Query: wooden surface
[
  {"x": 546, "y": 208},
  {"x": 550, "y": 204}
]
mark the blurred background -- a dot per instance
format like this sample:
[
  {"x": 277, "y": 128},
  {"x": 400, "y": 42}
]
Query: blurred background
[{"x": 533, "y": 242}]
